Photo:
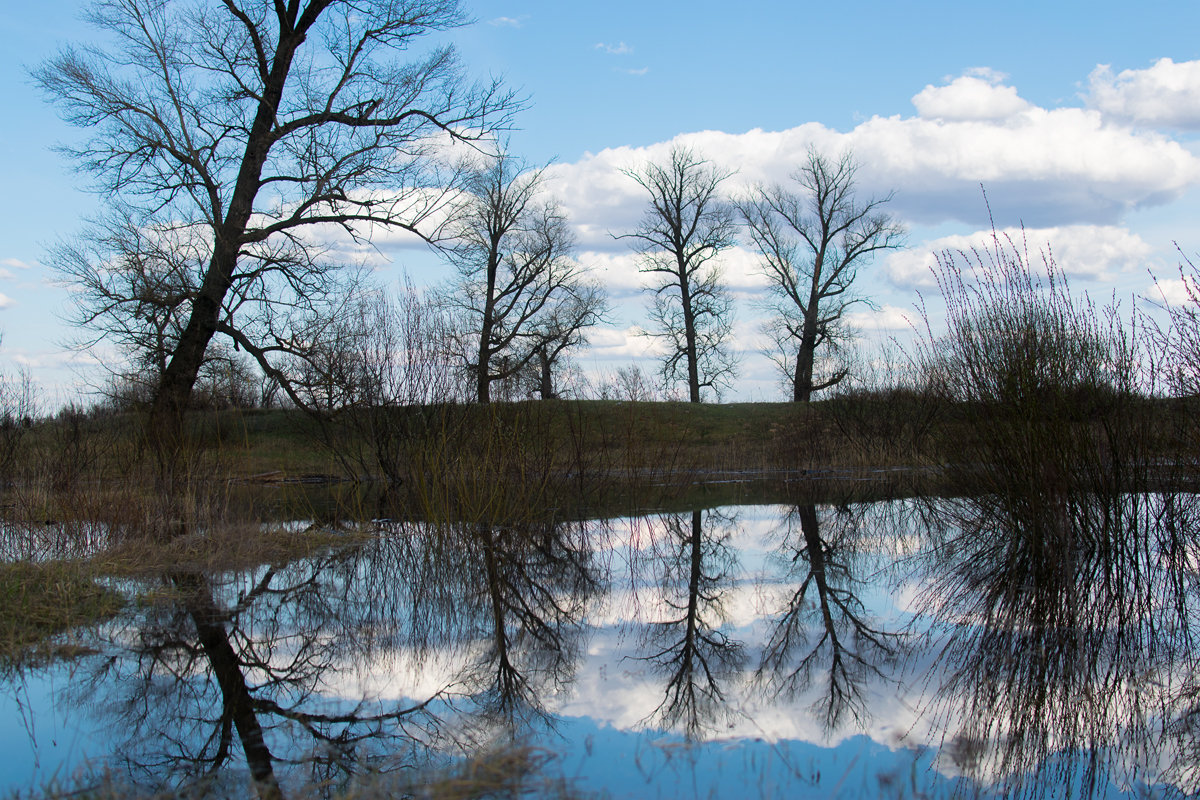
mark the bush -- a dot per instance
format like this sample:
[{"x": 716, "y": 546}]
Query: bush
[{"x": 1049, "y": 388}]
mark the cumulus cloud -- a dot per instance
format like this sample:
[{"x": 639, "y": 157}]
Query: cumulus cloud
[
  {"x": 1174, "y": 291},
  {"x": 1043, "y": 167},
  {"x": 1056, "y": 166},
  {"x": 622, "y": 344},
  {"x": 15, "y": 263},
  {"x": 1085, "y": 251},
  {"x": 5, "y": 301},
  {"x": 884, "y": 318},
  {"x": 979, "y": 95},
  {"x": 1166, "y": 94},
  {"x": 619, "y": 271}
]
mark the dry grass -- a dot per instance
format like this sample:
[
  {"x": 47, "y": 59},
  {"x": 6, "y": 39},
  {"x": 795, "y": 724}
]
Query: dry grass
[{"x": 40, "y": 603}]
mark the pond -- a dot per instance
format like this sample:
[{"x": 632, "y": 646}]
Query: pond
[{"x": 907, "y": 648}]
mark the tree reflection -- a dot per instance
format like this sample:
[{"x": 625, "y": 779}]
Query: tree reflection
[
  {"x": 530, "y": 585},
  {"x": 695, "y": 564},
  {"x": 471, "y": 623},
  {"x": 1069, "y": 630},
  {"x": 269, "y": 656},
  {"x": 823, "y": 629}
]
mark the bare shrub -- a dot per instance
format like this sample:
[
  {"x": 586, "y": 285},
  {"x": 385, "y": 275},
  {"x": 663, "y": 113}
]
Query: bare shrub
[
  {"x": 886, "y": 406},
  {"x": 628, "y": 383},
  {"x": 1063, "y": 544},
  {"x": 385, "y": 384},
  {"x": 18, "y": 409},
  {"x": 1177, "y": 354},
  {"x": 1048, "y": 387}
]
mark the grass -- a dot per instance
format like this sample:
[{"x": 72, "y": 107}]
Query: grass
[
  {"x": 596, "y": 446},
  {"x": 43, "y": 601}
]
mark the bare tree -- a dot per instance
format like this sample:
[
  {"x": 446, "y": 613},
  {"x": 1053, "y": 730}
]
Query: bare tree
[
  {"x": 812, "y": 244},
  {"x": 242, "y": 127},
  {"x": 686, "y": 227},
  {"x": 520, "y": 297}
]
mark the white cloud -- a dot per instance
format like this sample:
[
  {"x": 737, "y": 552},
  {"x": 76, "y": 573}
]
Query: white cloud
[
  {"x": 506, "y": 22},
  {"x": 617, "y": 271},
  {"x": 1085, "y": 251},
  {"x": 639, "y": 71},
  {"x": 1167, "y": 93},
  {"x": 1176, "y": 292},
  {"x": 742, "y": 271},
  {"x": 15, "y": 263},
  {"x": 618, "y": 49},
  {"x": 970, "y": 97},
  {"x": 885, "y": 318},
  {"x": 625, "y": 343},
  {"x": 1043, "y": 167},
  {"x": 5, "y": 301}
]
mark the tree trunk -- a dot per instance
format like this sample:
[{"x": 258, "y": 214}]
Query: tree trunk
[
  {"x": 175, "y": 390},
  {"x": 802, "y": 384},
  {"x": 483, "y": 380},
  {"x": 689, "y": 331},
  {"x": 547, "y": 387},
  {"x": 802, "y": 387},
  {"x": 214, "y": 639}
]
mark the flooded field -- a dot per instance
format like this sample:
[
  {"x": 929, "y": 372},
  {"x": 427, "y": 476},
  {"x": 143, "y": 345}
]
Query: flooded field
[{"x": 940, "y": 647}]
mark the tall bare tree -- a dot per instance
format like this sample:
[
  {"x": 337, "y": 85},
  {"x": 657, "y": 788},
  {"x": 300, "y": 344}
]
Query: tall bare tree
[
  {"x": 687, "y": 225},
  {"x": 251, "y": 128},
  {"x": 520, "y": 296},
  {"x": 812, "y": 243}
]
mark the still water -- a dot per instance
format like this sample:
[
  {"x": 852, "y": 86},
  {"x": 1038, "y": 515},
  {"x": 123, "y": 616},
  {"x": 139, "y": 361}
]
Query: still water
[{"x": 897, "y": 649}]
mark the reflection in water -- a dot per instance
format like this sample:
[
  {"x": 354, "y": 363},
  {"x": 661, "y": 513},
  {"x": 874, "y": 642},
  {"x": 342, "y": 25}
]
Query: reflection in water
[
  {"x": 824, "y": 633},
  {"x": 530, "y": 586},
  {"x": 265, "y": 660},
  {"x": 1068, "y": 635},
  {"x": 1050, "y": 653},
  {"x": 251, "y": 656},
  {"x": 694, "y": 564}
]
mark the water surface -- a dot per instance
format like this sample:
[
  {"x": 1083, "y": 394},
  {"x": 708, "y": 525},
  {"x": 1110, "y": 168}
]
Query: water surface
[{"x": 904, "y": 648}]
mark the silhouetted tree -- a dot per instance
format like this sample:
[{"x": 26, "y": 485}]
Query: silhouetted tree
[
  {"x": 687, "y": 226},
  {"x": 238, "y": 132},
  {"x": 520, "y": 297},
  {"x": 812, "y": 245}
]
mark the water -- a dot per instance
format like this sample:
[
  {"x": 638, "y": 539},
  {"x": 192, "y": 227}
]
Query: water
[{"x": 896, "y": 649}]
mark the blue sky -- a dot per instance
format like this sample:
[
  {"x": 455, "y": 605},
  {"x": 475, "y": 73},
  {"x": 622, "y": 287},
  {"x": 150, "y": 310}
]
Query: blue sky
[{"x": 1080, "y": 118}]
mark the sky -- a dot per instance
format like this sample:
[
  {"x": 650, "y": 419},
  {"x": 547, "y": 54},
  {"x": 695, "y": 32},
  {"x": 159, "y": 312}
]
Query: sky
[{"x": 1080, "y": 120}]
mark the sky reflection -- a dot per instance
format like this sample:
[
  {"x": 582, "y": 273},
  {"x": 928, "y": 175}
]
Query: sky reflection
[{"x": 793, "y": 649}]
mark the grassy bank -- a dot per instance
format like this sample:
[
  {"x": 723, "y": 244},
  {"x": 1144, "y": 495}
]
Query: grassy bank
[{"x": 613, "y": 441}]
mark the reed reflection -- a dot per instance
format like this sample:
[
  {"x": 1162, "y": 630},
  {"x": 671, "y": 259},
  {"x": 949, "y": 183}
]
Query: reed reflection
[
  {"x": 821, "y": 633},
  {"x": 1068, "y": 635}
]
